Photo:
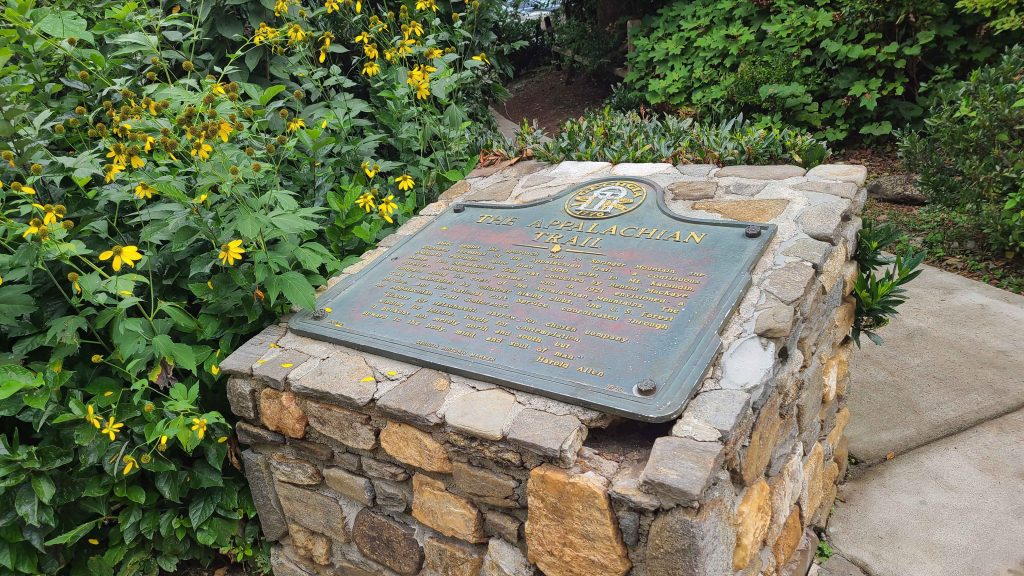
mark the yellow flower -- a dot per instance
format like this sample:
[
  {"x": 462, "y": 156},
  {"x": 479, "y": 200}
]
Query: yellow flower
[
  {"x": 144, "y": 191},
  {"x": 201, "y": 198},
  {"x": 365, "y": 201},
  {"x": 224, "y": 130},
  {"x": 163, "y": 442},
  {"x": 371, "y": 170},
  {"x": 432, "y": 53},
  {"x": 296, "y": 123},
  {"x": 405, "y": 46},
  {"x": 371, "y": 50},
  {"x": 218, "y": 89},
  {"x": 96, "y": 358},
  {"x": 389, "y": 55},
  {"x": 414, "y": 28},
  {"x": 371, "y": 68},
  {"x": 199, "y": 427},
  {"x": 117, "y": 154},
  {"x": 363, "y": 37},
  {"x": 111, "y": 428},
  {"x": 137, "y": 161},
  {"x": 129, "y": 463},
  {"x": 231, "y": 252},
  {"x": 148, "y": 146},
  {"x": 112, "y": 171},
  {"x": 51, "y": 213},
  {"x": 296, "y": 34},
  {"x": 422, "y": 90},
  {"x": 481, "y": 57},
  {"x": 201, "y": 149},
  {"x": 222, "y": 439},
  {"x": 122, "y": 255},
  {"x": 387, "y": 207},
  {"x": 426, "y": 5},
  {"x": 35, "y": 226},
  {"x": 90, "y": 416},
  {"x": 326, "y": 39},
  {"x": 264, "y": 34},
  {"x": 405, "y": 182},
  {"x": 332, "y": 6},
  {"x": 94, "y": 542},
  {"x": 214, "y": 369},
  {"x": 280, "y": 7}
]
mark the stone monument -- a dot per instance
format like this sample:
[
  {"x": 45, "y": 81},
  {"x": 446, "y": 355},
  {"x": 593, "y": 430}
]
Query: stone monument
[{"x": 571, "y": 370}]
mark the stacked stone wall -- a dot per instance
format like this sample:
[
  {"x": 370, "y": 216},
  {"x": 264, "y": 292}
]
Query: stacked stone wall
[{"x": 363, "y": 465}]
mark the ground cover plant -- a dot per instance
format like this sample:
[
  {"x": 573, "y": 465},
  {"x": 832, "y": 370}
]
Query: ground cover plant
[
  {"x": 608, "y": 135},
  {"x": 849, "y": 69},
  {"x": 159, "y": 203}
]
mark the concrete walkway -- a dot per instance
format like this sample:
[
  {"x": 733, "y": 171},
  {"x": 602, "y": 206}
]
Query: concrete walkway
[{"x": 945, "y": 397}]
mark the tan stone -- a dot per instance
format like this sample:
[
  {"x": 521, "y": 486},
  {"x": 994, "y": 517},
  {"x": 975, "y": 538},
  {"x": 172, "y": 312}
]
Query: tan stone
[
  {"x": 446, "y": 558},
  {"x": 850, "y": 274},
  {"x": 841, "y": 455},
  {"x": 571, "y": 529},
  {"x": 453, "y": 193},
  {"x": 414, "y": 447},
  {"x": 836, "y": 435},
  {"x": 789, "y": 539},
  {"x": 445, "y": 512},
  {"x": 752, "y": 519},
  {"x": 811, "y": 494},
  {"x": 351, "y": 428},
  {"x": 829, "y": 489},
  {"x": 835, "y": 371},
  {"x": 762, "y": 441},
  {"x": 280, "y": 412},
  {"x": 316, "y": 547},
  {"x": 690, "y": 190},
  {"x": 844, "y": 317},
  {"x": 834, "y": 268},
  {"x": 746, "y": 210}
]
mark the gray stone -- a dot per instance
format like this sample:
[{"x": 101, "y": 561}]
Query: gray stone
[
  {"x": 351, "y": 428},
  {"x": 281, "y": 565},
  {"x": 790, "y": 282},
  {"x": 639, "y": 169},
  {"x": 841, "y": 189},
  {"x": 313, "y": 510},
  {"x": 776, "y": 172},
  {"x": 854, "y": 173},
  {"x": 504, "y": 559},
  {"x": 493, "y": 193},
  {"x": 775, "y": 322},
  {"x": 349, "y": 485},
  {"x": 385, "y": 470},
  {"x": 537, "y": 180},
  {"x": 721, "y": 409},
  {"x": 457, "y": 190},
  {"x": 483, "y": 414},
  {"x": 963, "y": 488},
  {"x": 839, "y": 566},
  {"x": 392, "y": 496},
  {"x": 748, "y": 364},
  {"x": 801, "y": 561},
  {"x": 896, "y": 188},
  {"x": 243, "y": 397},
  {"x": 525, "y": 168},
  {"x": 315, "y": 348},
  {"x": 547, "y": 434},
  {"x": 249, "y": 434},
  {"x": 310, "y": 450},
  {"x": 264, "y": 497},
  {"x": 273, "y": 368},
  {"x": 690, "y": 190},
  {"x": 387, "y": 542},
  {"x": 690, "y": 427},
  {"x": 495, "y": 488},
  {"x": 745, "y": 188},
  {"x": 684, "y": 542},
  {"x": 625, "y": 488},
  {"x": 418, "y": 397},
  {"x": 343, "y": 379},
  {"x": 697, "y": 170},
  {"x": 824, "y": 221},
  {"x": 573, "y": 170},
  {"x": 347, "y": 460},
  {"x": 680, "y": 469},
  {"x": 809, "y": 401},
  {"x": 240, "y": 361},
  {"x": 629, "y": 526},
  {"x": 295, "y": 471},
  {"x": 810, "y": 250},
  {"x": 497, "y": 524}
]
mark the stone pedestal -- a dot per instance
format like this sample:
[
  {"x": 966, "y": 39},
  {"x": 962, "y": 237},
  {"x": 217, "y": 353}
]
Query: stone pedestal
[{"x": 362, "y": 465}]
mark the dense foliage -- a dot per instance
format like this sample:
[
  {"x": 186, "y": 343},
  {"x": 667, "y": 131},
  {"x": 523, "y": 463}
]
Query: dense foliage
[
  {"x": 848, "y": 68},
  {"x": 970, "y": 154},
  {"x": 611, "y": 136},
  {"x": 879, "y": 287},
  {"x": 162, "y": 197}
]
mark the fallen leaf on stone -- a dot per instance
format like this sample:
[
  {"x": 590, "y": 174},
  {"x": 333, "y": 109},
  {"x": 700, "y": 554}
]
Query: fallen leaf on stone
[
  {"x": 287, "y": 365},
  {"x": 890, "y": 455}
]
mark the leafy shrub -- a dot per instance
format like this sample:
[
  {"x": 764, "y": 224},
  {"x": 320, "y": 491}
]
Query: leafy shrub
[
  {"x": 1006, "y": 15},
  {"x": 970, "y": 153},
  {"x": 845, "y": 68},
  {"x": 526, "y": 45},
  {"x": 156, "y": 209},
  {"x": 610, "y": 136},
  {"x": 879, "y": 294}
]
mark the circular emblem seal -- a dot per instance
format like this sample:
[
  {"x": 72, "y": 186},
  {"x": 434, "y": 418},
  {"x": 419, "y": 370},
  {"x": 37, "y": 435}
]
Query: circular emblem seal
[{"x": 606, "y": 199}]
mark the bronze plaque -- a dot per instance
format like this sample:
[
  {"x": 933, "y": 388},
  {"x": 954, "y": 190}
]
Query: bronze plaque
[{"x": 599, "y": 296}]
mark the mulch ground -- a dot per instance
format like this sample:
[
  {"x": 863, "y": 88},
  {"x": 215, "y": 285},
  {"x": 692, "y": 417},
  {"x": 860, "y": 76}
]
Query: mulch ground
[{"x": 550, "y": 96}]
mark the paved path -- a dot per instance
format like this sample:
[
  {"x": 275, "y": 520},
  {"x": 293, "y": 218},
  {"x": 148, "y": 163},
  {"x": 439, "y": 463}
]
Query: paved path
[{"x": 945, "y": 394}]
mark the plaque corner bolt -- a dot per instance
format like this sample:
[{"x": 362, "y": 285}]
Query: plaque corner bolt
[
  {"x": 319, "y": 314},
  {"x": 646, "y": 387},
  {"x": 752, "y": 231},
  {"x": 458, "y": 208}
]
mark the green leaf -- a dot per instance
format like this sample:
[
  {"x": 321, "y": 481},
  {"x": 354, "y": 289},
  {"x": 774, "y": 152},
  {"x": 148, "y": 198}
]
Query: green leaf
[
  {"x": 65, "y": 24},
  {"x": 14, "y": 302},
  {"x": 295, "y": 288},
  {"x": 43, "y": 487},
  {"x": 73, "y": 535},
  {"x": 270, "y": 92},
  {"x": 14, "y": 378},
  {"x": 202, "y": 507},
  {"x": 136, "y": 494}
]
